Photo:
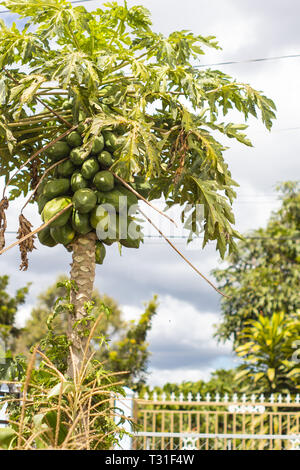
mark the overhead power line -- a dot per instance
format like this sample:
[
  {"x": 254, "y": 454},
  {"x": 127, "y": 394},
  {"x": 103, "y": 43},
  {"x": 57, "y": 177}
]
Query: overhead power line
[
  {"x": 261, "y": 59},
  {"x": 185, "y": 237}
]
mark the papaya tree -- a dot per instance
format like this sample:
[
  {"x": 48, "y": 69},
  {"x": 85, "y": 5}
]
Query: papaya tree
[{"x": 97, "y": 107}]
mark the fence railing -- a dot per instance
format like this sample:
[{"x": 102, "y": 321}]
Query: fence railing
[{"x": 217, "y": 422}]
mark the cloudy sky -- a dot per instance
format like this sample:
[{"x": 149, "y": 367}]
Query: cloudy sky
[{"x": 181, "y": 340}]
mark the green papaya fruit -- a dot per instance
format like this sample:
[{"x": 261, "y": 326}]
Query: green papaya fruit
[
  {"x": 78, "y": 156},
  {"x": 105, "y": 159},
  {"x": 45, "y": 237},
  {"x": 119, "y": 199},
  {"x": 98, "y": 145},
  {"x": 74, "y": 139},
  {"x": 56, "y": 187},
  {"x": 67, "y": 105},
  {"x": 133, "y": 236},
  {"x": 130, "y": 242},
  {"x": 81, "y": 128},
  {"x": 106, "y": 225},
  {"x": 81, "y": 222},
  {"x": 64, "y": 234},
  {"x": 89, "y": 168},
  {"x": 108, "y": 241},
  {"x": 110, "y": 140},
  {"x": 40, "y": 189},
  {"x": 104, "y": 181},
  {"x": 100, "y": 252},
  {"x": 66, "y": 168},
  {"x": 84, "y": 200},
  {"x": 99, "y": 215},
  {"x": 53, "y": 207},
  {"x": 78, "y": 181},
  {"x": 42, "y": 201},
  {"x": 58, "y": 151},
  {"x": 141, "y": 186},
  {"x": 131, "y": 198}
]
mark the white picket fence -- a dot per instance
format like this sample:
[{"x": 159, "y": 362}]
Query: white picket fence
[
  {"x": 4, "y": 391},
  {"x": 228, "y": 420}
]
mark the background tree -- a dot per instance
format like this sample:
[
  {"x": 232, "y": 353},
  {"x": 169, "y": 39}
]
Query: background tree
[
  {"x": 221, "y": 381},
  {"x": 270, "y": 354},
  {"x": 108, "y": 71},
  {"x": 36, "y": 325},
  {"x": 126, "y": 348},
  {"x": 130, "y": 353},
  {"x": 263, "y": 274},
  {"x": 9, "y": 305}
]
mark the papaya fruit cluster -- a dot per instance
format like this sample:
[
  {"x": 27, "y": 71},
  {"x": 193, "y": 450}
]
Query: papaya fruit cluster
[{"x": 85, "y": 181}]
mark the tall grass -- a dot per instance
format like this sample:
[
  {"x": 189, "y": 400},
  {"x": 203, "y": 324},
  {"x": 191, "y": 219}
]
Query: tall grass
[{"x": 60, "y": 413}]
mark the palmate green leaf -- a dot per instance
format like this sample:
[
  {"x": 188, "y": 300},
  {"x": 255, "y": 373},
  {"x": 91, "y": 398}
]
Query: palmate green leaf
[
  {"x": 217, "y": 213},
  {"x": 55, "y": 17},
  {"x": 27, "y": 88},
  {"x": 18, "y": 46},
  {"x": 151, "y": 151},
  {"x": 140, "y": 70},
  {"x": 73, "y": 66},
  {"x": 6, "y": 131},
  {"x": 129, "y": 162},
  {"x": 266, "y": 106},
  {"x": 232, "y": 131},
  {"x": 104, "y": 121},
  {"x": 3, "y": 90}
]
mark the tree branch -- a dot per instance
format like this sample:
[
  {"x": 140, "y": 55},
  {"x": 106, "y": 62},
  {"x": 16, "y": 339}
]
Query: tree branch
[{"x": 37, "y": 230}]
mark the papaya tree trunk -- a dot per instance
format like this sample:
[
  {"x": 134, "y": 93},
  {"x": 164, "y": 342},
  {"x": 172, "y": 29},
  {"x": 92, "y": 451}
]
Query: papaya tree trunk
[{"x": 83, "y": 274}]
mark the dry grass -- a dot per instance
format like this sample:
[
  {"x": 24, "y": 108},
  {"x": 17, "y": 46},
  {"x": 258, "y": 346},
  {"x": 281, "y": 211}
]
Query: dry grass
[{"x": 59, "y": 413}]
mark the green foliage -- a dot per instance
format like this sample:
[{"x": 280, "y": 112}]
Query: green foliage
[
  {"x": 8, "y": 309},
  {"x": 130, "y": 352},
  {"x": 44, "y": 315},
  {"x": 47, "y": 326},
  {"x": 109, "y": 69},
  {"x": 263, "y": 275},
  {"x": 270, "y": 351},
  {"x": 221, "y": 381}
]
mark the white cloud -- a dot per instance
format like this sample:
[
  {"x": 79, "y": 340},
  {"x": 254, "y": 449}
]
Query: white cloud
[
  {"x": 182, "y": 323},
  {"x": 181, "y": 342},
  {"x": 159, "y": 377}
]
